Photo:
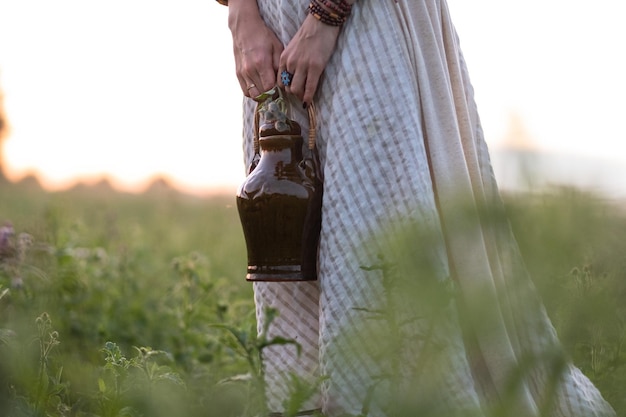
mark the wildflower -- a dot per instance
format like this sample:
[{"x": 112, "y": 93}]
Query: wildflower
[
  {"x": 13, "y": 253},
  {"x": 7, "y": 248}
]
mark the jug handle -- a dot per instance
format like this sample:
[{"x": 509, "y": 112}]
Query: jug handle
[
  {"x": 256, "y": 130},
  {"x": 312, "y": 126}
]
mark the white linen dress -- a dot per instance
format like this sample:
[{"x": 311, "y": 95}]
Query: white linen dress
[{"x": 400, "y": 142}]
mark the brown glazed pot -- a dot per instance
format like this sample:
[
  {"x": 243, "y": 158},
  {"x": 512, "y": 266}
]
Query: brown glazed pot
[{"x": 279, "y": 202}]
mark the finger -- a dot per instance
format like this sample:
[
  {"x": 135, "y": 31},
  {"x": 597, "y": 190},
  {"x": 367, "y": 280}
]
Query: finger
[
  {"x": 297, "y": 83},
  {"x": 312, "y": 82},
  {"x": 277, "y": 52},
  {"x": 247, "y": 83},
  {"x": 248, "y": 88},
  {"x": 267, "y": 80},
  {"x": 279, "y": 81},
  {"x": 238, "y": 69},
  {"x": 251, "y": 83},
  {"x": 267, "y": 68},
  {"x": 253, "y": 90}
]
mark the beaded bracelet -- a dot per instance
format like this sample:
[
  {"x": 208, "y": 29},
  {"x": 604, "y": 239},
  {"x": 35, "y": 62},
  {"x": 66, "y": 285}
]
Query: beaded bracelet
[
  {"x": 330, "y": 12},
  {"x": 339, "y": 6},
  {"x": 325, "y": 16}
]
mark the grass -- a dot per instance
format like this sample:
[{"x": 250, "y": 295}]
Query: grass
[{"x": 136, "y": 305}]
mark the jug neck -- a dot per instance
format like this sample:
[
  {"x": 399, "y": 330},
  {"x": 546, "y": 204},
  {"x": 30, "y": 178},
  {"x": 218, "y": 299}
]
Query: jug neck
[{"x": 287, "y": 148}]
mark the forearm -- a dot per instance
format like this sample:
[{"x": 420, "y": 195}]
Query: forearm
[
  {"x": 242, "y": 13},
  {"x": 255, "y": 46}
]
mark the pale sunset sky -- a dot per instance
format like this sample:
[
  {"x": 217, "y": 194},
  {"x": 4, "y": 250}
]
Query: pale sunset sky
[{"x": 129, "y": 89}]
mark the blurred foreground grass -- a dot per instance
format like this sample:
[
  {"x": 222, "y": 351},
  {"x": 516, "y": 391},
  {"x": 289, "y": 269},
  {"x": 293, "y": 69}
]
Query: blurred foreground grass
[{"x": 136, "y": 305}]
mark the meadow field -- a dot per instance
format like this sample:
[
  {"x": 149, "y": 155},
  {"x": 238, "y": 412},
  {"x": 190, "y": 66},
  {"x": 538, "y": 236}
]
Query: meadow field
[{"x": 125, "y": 305}]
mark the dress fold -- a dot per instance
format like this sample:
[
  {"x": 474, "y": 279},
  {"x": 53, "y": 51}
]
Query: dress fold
[{"x": 401, "y": 144}]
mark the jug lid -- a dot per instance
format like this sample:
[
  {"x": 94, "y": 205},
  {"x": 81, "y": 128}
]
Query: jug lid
[{"x": 272, "y": 115}]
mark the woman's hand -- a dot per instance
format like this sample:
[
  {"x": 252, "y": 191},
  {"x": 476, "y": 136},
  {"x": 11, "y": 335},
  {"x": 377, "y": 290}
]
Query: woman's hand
[
  {"x": 306, "y": 56},
  {"x": 257, "y": 49}
]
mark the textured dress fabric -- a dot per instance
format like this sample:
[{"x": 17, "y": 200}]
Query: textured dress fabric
[{"x": 401, "y": 144}]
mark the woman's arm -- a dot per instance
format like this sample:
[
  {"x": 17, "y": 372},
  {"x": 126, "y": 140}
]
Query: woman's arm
[
  {"x": 256, "y": 48},
  {"x": 308, "y": 53}
]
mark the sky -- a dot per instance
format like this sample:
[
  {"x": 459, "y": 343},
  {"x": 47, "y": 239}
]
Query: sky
[{"x": 130, "y": 89}]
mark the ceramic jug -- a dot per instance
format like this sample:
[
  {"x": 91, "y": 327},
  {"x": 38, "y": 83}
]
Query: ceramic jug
[{"x": 279, "y": 202}]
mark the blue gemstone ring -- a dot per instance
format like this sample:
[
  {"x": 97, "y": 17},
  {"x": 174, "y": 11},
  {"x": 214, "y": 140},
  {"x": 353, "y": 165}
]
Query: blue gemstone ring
[{"x": 285, "y": 77}]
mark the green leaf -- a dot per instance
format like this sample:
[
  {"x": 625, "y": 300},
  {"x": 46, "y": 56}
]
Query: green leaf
[
  {"x": 240, "y": 335},
  {"x": 279, "y": 340},
  {"x": 237, "y": 378},
  {"x": 102, "y": 386}
]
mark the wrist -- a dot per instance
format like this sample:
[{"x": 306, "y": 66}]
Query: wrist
[
  {"x": 330, "y": 12},
  {"x": 317, "y": 26}
]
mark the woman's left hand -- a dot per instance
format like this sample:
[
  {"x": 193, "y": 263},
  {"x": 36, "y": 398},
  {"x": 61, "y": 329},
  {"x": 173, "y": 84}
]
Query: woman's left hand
[{"x": 306, "y": 56}]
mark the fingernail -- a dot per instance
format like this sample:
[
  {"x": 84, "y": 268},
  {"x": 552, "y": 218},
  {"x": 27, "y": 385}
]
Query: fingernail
[{"x": 305, "y": 105}]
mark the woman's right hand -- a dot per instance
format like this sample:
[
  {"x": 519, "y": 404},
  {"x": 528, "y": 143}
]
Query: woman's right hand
[{"x": 257, "y": 49}]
